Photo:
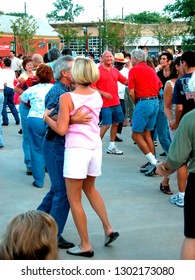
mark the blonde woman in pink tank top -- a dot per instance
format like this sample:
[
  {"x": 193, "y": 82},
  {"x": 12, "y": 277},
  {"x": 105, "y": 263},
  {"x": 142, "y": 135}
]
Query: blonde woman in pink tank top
[{"x": 83, "y": 152}]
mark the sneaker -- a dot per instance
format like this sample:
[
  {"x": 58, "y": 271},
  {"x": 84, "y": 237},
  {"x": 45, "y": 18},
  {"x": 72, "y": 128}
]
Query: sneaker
[
  {"x": 114, "y": 151},
  {"x": 155, "y": 143},
  {"x": 145, "y": 167},
  {"x": 177, "y": 199},
  {"x": 151, "y": 170},
  {"x": 28, "y": 171}
]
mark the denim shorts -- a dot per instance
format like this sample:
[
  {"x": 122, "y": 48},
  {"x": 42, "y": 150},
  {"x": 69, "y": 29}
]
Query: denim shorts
[
  {"x": 113, "y": 114},
  {"x": 145, "y": 114}
]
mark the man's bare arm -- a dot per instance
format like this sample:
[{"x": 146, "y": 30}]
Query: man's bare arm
[{"x": 132, "y": 95}]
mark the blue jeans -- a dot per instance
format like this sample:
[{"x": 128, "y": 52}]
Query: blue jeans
[
  {"x": 55, "y": 202},
  {"x": 24, "y": 110},
  {"x": 163, "y": 128},
  {"x": 1, "y": 107},
  {"x": 36, "y": 132},
  {"x": 9, "y": 101}
]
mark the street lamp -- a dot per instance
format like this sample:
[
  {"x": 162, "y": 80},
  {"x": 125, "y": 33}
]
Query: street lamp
[
  {"x": 102, "y": 27},
  {"x": 14, "y": 27},
  {"x": 100, "y": 38},
  {"x": 86, "y": 41}
]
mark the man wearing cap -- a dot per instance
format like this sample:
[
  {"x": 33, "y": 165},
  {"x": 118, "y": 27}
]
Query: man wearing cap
[
  {"x": 112, "y": 113},
  {"x": 144, "y": 86}
]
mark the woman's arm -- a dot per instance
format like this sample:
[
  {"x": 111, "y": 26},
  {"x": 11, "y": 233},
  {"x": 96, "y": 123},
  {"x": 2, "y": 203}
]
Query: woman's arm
[
  {"x": 61, "y": 125},
  {"x": 168, "y": 101}
]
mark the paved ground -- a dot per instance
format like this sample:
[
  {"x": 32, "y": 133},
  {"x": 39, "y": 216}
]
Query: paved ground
[{"x": 150, "y": 227}]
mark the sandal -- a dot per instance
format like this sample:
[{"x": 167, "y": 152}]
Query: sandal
[{"x": 165, "y": 189}]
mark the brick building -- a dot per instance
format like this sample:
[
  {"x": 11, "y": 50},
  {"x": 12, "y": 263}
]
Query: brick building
[{"x": 45, "y": 37}]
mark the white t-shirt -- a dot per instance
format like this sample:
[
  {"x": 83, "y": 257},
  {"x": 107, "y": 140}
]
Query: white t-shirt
[
  {"x": 8, "y": 77},
  {"x": 36, "y": 95},
  {"x": 122, "y": 87},
  {"x": 16, "y": 64},
  {"x": 1, "y": 80}
]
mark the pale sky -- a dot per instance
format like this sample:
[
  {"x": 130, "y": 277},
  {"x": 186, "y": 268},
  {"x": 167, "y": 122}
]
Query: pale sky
[{"x": 93, "y": 8}]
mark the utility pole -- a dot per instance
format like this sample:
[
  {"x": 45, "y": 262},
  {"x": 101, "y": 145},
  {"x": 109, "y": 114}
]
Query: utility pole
[
  {"x": 25, "y": 13},
  {"x": 104, "y": 11},
  {"x": 104, "y": 17}
]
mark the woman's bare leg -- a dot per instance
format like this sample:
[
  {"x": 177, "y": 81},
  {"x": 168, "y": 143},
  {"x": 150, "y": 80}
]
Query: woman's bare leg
[
  {"x": 74, "y": 193},
  {"x": 97, "y": 203}
]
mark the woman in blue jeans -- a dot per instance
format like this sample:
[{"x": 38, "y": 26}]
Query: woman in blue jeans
[
  {"x": 163, "y": 128},
  {"x": 35, "y": 125}
]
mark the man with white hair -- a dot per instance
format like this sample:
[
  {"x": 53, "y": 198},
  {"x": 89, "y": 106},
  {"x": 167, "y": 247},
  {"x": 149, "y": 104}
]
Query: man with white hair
[
  {"x": 144, "y": 86},
  {"x": 37, "y": 60}
]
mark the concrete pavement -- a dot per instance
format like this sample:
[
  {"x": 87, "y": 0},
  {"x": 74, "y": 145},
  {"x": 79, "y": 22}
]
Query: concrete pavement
[{"x": 150, "y": 227}]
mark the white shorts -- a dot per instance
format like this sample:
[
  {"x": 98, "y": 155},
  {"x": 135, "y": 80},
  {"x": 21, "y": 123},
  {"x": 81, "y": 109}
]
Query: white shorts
[{"x": 80, "y": 163}]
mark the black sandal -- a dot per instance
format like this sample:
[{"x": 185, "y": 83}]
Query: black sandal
[{"x": 165, "y": 189}]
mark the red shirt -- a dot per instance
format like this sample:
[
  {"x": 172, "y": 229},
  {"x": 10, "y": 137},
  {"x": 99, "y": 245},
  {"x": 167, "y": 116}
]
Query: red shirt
[
  {"x": 108, "y": 83},
  {"x": 144, "y": 80}
]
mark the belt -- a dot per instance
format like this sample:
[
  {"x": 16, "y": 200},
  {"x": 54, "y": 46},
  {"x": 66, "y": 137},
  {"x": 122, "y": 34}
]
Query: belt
[{"x": 147, "y": 98}]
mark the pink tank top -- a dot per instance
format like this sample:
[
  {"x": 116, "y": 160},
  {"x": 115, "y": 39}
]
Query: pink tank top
[{"x": 85, "y": 135}]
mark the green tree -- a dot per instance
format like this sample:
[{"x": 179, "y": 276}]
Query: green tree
[
  {"x": 16, "y": 14},
  {"x": 65, "y": 10},
  {"x": 132, "y": 34},
  {"x": 112, "y": 35},
  {"x": 146, "y": 18},
  {"x": 24, "y": 29},
  {"x": 184, "y": 9},
  {"x": 66, "y": 34},
  {"x": 167, "y": 33}
]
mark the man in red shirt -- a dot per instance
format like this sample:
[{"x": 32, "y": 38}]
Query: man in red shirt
[
  {"x": 111, "y": 113},
  {"x": 144, "y": 86}
]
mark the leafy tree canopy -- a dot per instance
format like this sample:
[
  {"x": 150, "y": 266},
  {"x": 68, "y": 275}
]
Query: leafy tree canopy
[
  {"x": 147, "y": 17},
  {"x": 16, "y": 14},
  {"x": 181, "y": 9},
  {"x": 65, "y": 10},
  {"x": 184, "y": 9},
  {"x": 24, "y": 29}
]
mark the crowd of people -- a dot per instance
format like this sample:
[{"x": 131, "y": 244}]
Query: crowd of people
[{"x": 67, "y": 105}]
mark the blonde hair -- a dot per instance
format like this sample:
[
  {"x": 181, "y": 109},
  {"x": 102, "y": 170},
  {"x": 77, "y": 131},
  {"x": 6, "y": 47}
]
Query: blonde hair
[
  {"x": 30, "y": 236},
  {"x": 85, "y": 71}
]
